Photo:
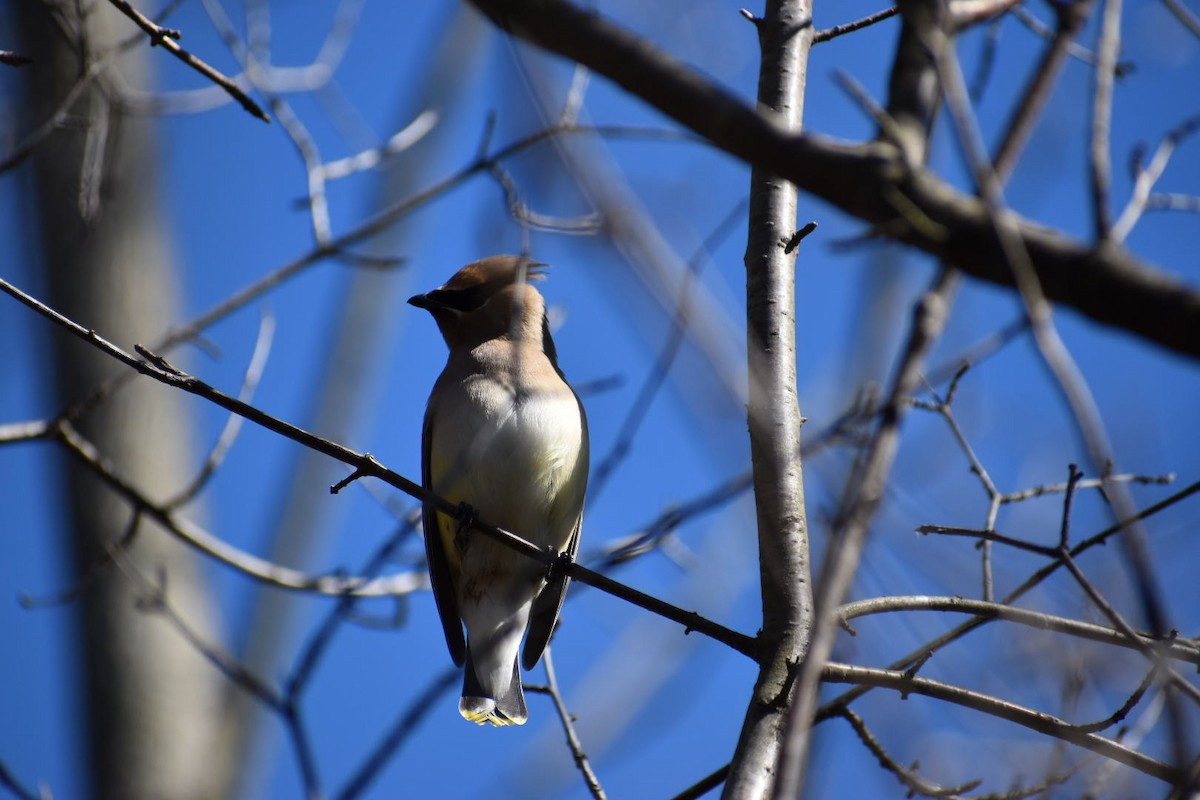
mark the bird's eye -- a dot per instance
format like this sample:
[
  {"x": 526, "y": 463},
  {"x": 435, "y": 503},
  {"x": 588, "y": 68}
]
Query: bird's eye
[{"x": 463, "y": 300}]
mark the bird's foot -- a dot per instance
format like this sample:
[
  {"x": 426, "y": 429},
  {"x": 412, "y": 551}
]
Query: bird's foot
[
  {"x": 558, "y": 566},
  {"x": 465, "y": 516}
]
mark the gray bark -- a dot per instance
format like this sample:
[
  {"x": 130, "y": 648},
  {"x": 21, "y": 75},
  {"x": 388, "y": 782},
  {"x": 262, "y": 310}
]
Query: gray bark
[
  {"x": 785, "y": 34},
  {"x": 107, "y": 265}
]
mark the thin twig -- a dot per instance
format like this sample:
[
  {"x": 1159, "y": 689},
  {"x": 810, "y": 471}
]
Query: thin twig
[
  {"x": 406, "y": 726},
  {"x": 192, "y": 534},
  {"x": 11, "y": 59},
  {"x": 1147, "y": 176},
  {"x": 850, "y": 27},
  {"x": 1033, "y": 99},
  {"x": 1121, "y": 713},
  {"x": 93, "y": 570},
  {"x": 851, "y": 526},
  {"x": 400, "y": 141},
  {"x": 1173, "y": 201},
  {"x": 13, "y": 432},
  {"x": 8, "y": 780},
  {"x": 233, "y": 425},
  {"x": 155, "y": 600},
  {"x": 318, "y": 642},
  {"x": 1038, "y": 721},
  {"x": 1039, "y": 576},
  {"x": 166, "y": 38},
  {"x": 1148, "y": 649},
  {"x": 655, "y": 379},
  {"x": 1102, "y": 97},
  {"x": 1183, "y": 650},
  {"x": 704, "y": 785},
  {"x": 1074, "y": 49},
  {"x": 583, "y": 225},
  {"x": 1184, "y": 15},
  {"x": 564, "y": 716},
  {"x": 305, "y": 757},
  {"x": 1086, "y": 483},
  {"x": 907, "y": 777}
]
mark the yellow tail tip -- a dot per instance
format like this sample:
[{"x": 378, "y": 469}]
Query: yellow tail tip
[{"x": 481, "y": 710}]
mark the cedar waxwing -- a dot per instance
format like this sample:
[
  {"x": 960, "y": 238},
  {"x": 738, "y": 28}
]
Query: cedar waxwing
[{"x": 506, "y": 435}]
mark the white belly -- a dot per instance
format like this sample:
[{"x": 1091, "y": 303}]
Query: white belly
[{"x": 518, "y": 463}]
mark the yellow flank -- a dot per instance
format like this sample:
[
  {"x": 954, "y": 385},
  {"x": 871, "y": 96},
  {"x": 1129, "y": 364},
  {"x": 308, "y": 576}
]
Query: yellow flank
[
  {"x": 448, "y": 528},
  {"x": 506, "y": 434}
]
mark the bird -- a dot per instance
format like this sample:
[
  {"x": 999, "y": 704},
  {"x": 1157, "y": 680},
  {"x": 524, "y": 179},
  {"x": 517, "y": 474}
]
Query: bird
[{"x": 505, "y": 437}]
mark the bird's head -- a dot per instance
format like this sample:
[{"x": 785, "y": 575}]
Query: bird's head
[{"x": 489, "y": 299}]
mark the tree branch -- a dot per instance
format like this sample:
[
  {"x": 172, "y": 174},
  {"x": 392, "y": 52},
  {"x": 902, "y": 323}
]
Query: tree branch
[
  {"x": 907, "y": 683},
  {"x": 365, "y": 465},
  {"x": 869, "y": 181},
  {"x": 785, "y": 37},
  {"x": 1182, "y": 649},
  {"x": 851, "y": 526}
]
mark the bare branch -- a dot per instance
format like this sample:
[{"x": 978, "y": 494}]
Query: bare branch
[
  {"x": 704, "y": 785},
  {"x": 310, "y": 654},
  {"x": 1039, "y": 721},
  {"x": 364, "y": 465},
  {"x": 1185, "y": 16},
  {"x": 1148, "y": 649},
  {"x": 156, "y": 601},
  {"x": 10, "y": 782},
  {"x": 395, "y": 738},
  {"x": 233, "y": 425},
  {"x": 400, "y": 141},
  {"x": 666, "y": 357},
  {"x": 850, "y": 27},
  {"x": 907, "y": 777},
  {"x": 166, "y": 38},
  {"x": 13, "y": 432},
  {"x": 1182, "y": 650},
  {"x": 961, "y": 630},
  {"x": 852, "y": 523},
  {"x": 581, "y": 760},
  {"x": 1099, "y": 156},
  {"x": 1029, "y": 105},
  {"x": 1147, "y": 176},
  {"x": 868, "y": 181},
  {"x": 773, "y": 411},
  {"x": 246, "y": 563},
  {"x": 11, "y": 59}
]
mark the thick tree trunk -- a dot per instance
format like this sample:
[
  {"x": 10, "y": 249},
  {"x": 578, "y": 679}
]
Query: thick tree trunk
[{"x": 153, "y": 701}]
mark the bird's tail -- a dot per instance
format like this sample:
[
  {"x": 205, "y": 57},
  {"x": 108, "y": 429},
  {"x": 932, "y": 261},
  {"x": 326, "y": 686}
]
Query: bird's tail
[{"x": 500, "y": 702}]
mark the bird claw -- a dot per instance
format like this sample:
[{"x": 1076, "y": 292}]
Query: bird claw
[
  {"x": 558, "y": 566},
  {"x": 465, "y": 516}
]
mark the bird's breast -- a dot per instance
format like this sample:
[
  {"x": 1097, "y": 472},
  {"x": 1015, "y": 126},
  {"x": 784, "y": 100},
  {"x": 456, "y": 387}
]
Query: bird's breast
[{"x": 518, "y": 458}]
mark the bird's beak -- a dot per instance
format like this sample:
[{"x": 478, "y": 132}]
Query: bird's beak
[{"x": 422, "y": 301}]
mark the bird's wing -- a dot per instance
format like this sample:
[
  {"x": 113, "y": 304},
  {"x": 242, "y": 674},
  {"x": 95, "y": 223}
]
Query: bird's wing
[
  {"x": 544, "y": 613},
  {"x": 546, "y": 606},
  {"x": 435, "y": 554}
]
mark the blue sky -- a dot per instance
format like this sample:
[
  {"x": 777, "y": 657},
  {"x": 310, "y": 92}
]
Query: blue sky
[{"x": 657, "y": 710}]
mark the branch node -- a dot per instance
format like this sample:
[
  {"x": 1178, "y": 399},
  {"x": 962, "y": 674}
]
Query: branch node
[
  {"x": 346, "y": 481},
  {"x": 912, "y": 671},
  {"x": 156, "y": 360},
  {"x": 749, "y": 17},
  {"x": 791, "y": 243},
  {"x": 560, "y": 564}
]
